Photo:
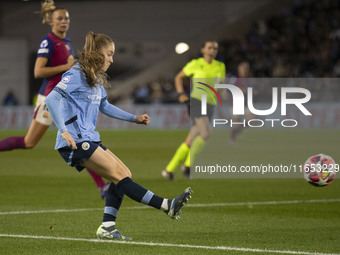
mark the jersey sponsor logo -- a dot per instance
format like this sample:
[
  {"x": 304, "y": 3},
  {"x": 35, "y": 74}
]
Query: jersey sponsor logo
[
  {"x": 44, "y": 44},
  {"x": 66, "y": 79},
  {"x": 94, "y": 97},
  {"x": 85, "y": 146}
]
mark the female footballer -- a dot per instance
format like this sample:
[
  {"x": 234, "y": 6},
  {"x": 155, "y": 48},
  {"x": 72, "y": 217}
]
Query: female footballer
[
  {"x": 82, "y": 95},
  {"x": 55, "y": 56}
]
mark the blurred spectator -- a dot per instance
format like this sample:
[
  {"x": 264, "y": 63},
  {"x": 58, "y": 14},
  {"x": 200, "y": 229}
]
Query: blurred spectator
[
  {"x": 302, "y": 41},
  {"x": 156, "y": 92},
  {"x": 141, "y": 94},
  {"x": 170, "y": 95},
  {"x": 336, "y": 69},
  {"x": 10, "y": 99}
]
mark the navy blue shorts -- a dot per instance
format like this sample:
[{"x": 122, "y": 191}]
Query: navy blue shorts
[{"x": 76, "y": 157}]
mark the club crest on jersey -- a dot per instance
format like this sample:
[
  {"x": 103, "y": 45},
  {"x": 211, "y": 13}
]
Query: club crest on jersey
[
  {"x": 66, "y": 79},
  {"x": 85, "y": 146}
]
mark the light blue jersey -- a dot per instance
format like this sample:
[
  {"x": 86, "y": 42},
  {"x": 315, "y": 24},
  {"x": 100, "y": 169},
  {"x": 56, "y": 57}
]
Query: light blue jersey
[{"x": 79, "y": 106}]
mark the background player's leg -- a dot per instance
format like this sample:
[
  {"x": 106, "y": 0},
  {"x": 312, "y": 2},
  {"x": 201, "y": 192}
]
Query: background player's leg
[
  {"x": 200, "y": 136},
  {"x": 194, "y": 132},
  {"x": 180, "y": 154},
  {"x": 99, "y": 181},
  {"x": 34, "y": 134},
  {"x": 198, "y": 143}
]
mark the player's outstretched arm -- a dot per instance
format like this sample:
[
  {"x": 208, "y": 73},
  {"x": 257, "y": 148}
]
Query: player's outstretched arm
[{"x": 114, "y": 112}]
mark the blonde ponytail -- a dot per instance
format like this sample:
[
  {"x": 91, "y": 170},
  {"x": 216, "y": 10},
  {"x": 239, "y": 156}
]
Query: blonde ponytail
[{"x": 47, "y": 8}]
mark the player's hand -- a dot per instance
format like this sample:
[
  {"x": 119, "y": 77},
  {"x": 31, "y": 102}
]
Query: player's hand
[
  {"x": 183, "y": 98},
  {"x": 143, "y": 119},
  {"x": 69, "y": 139}
]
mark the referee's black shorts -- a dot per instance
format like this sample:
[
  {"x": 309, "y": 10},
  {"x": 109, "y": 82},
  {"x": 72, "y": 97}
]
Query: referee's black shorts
[{"x": 195, "y": 110}]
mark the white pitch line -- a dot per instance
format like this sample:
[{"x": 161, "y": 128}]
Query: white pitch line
[
  {"x": 52, "y": 211},
  {"x": 224, "y": 248},
  {"x": 189, "y": 205},
  {"x": 267, "y": 203}
]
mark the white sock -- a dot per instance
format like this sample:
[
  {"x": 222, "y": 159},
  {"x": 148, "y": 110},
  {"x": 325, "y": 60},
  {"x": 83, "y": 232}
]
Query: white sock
[
  {"x": 108, "y": 223},
  {"x": 164, "y": 206}
]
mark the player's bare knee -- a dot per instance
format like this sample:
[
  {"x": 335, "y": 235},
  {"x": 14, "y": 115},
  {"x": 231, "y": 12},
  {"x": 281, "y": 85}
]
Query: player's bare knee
[
  {"x": 29, "y": 145},
  {"x": 205, "y": 134},
  {"x": 114, "y": 178},
  {"x": 119, "y": 174}
]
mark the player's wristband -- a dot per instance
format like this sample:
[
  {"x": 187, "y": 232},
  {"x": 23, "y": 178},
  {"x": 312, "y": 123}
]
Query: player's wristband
[{"x": 182, "y": 93}]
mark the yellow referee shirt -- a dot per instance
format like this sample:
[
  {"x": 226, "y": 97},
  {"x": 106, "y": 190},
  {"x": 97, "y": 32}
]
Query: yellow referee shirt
[{"x": 201, "y": 71}]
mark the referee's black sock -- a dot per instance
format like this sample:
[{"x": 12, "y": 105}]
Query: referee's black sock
[{"x": 141, "y": 194}]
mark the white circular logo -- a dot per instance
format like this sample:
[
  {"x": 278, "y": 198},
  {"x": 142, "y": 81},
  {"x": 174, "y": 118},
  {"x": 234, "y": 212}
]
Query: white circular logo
[
  {"x": 66, "y": 79},
  {"x": 44, "y": 44},
  {"x": 85, "y": 146}
]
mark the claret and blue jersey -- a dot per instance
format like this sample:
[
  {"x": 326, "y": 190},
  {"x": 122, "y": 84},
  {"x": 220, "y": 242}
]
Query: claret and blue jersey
[{"x": 57, "y": 51}]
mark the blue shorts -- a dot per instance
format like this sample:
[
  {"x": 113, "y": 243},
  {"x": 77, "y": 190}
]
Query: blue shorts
[{"x": 76, "y": 157}]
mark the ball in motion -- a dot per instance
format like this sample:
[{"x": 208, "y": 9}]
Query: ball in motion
[{"x": 320, "y": 170}]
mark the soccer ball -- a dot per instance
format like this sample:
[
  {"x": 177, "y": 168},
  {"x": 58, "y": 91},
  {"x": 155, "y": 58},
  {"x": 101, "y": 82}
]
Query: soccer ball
[{"x": 319, "y": 170}]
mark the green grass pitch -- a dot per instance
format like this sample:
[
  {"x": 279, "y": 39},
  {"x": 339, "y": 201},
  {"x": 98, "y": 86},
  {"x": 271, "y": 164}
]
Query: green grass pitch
[{"x": 225, "y": 216}]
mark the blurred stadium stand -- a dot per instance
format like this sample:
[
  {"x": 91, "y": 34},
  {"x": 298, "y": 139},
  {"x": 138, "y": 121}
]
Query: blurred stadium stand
[
  {"x": 291, "y": 38},
  {"x": 145, "y": 32}
]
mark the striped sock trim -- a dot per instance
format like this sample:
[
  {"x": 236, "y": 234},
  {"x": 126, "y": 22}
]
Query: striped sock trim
[
  {"x": 147, "y": 197},
  {"x": 111, "y": 211}
]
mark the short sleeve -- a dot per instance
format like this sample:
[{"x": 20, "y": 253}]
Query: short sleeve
[
  {"x": 189, "y": 68},
  {"x": 46, "y": 48},
  {"x": 70, "y": 81},
  {"x": 222, "y": 71}
]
